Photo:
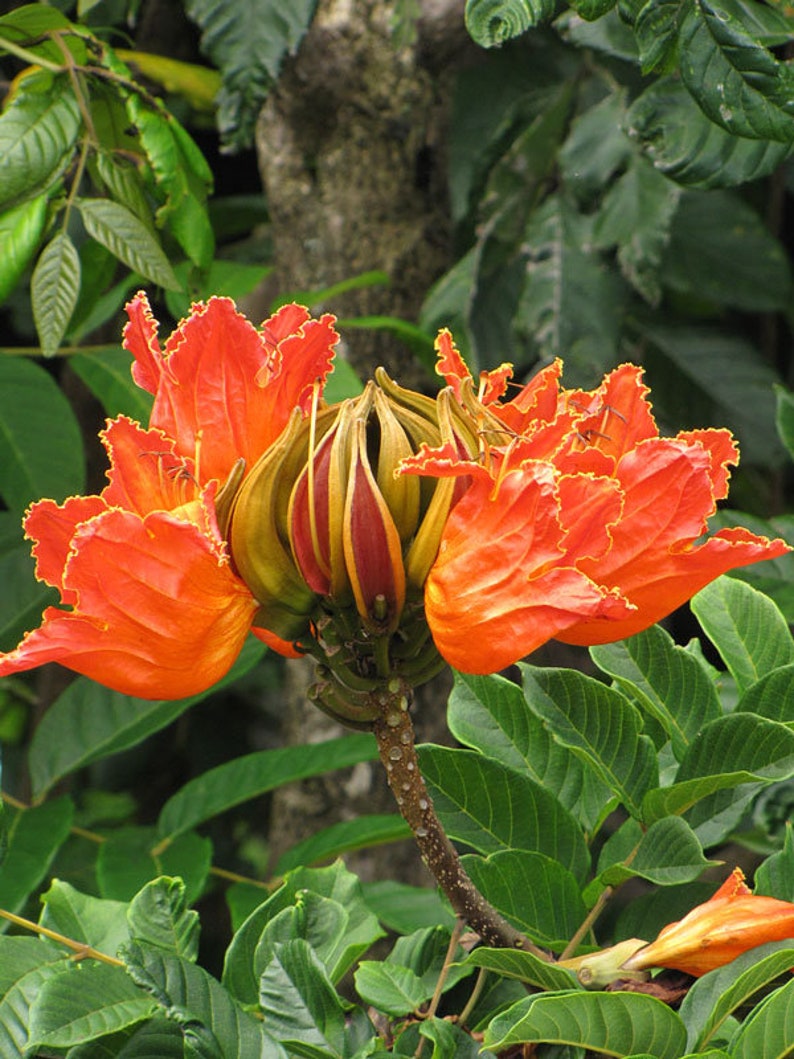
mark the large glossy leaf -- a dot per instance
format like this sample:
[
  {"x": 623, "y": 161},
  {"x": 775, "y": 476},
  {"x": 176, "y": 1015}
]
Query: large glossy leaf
[
  {"x": 492, "y": 22},
  {"x": 772, "y": 696},
  {"x": 91, "y": 920},
  {"x": 335, "y": 883},
  {"x": 734, "y": 79},
  {"x": 248, "y": 43},
  {"x": 774, "y": 877},
  {"x": 746, "y": 627},
  {"x": 88, "y": 1002},
  {"x": 298, "y": 1000},
  {"x": 159, "y": 915},
  {"x": 38, "y": 131},
  {"x": 343, "y": 837},
  {"x": 768, "y": 1032},
  {"x": 88, "y": 722},
  {"x": 183, "y": 989},
  {"x": 718, "y": 994},
  {"x": 490, "y": 714},
  {"x": 667, "y": 854},
  {"x": 15, "y": 1005},
  {"x": 247, "y": 777},
  {"x": 600, "y": 725},
  {"x": 596, "y": 146},
  {"x": 128, "y": 239},
  {"x": 130, "y": 858},
  {"x": 490, "y": 808},
  {"x": 21, "y": 230},
  {"x": 404, "y": 908},
  {"x": 636, "y": 216},
  {"x": 41, "y": 450},
  {"x": 19, "y": 954},
  {"x": 54, "y": 288},
  {"x": 106, "y": 372},
  {"x": 32, "y": 838},
  {"x": 619, "y": 1024},
  {"x": 536, "y": 893},
  {"x": 524, "y": 966},
  {"x": 689, "y": 148},
  {"x": 665, "y": 680}
]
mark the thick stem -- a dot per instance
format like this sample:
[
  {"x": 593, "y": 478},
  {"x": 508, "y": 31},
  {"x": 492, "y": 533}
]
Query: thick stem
[{"x": 395, "y": 736}]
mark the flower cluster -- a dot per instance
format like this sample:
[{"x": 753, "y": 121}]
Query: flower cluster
[{"x": 379, "y": 533}]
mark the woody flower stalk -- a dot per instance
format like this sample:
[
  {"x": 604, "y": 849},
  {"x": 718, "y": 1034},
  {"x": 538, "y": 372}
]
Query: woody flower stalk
[{"x": 386, "y": 535}]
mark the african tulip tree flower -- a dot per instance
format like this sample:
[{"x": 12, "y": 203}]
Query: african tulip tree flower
[
  {"x": 733, "y": 921},
  {"x": 580, "y": 522}
]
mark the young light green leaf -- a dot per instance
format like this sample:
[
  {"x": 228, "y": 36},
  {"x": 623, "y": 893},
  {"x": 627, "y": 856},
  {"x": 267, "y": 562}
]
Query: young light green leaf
[
  {"x": 91, "y": 1001},
  {"x": 734, "y": 79},
  {"x": 746, "y": 627},
  {"x": 600, "y": 725},
  {"x": 335, "y": 883},
  {"x": 492, "y": 22},
  {"x": 490, "y": 714},
  {"x": 718, "y": 994},
  {"x": 159, "y": 915},
  {"x": 188, "y": 994},
  {"x": 667, "y": 854},
  {"x": 619, "y": 1024},
  {"x": 299, "y": 1002},
  {"x": 54, "y": 288},
  {"x": 41, "y": 449},
  {"x": 347, "y": 835},
  {"x": 768, "y": 1032},
  {"x": 390, "y": 988},
  {"x": 128, "y": 239},
  {"x": 684, "y": 145},
  {"x": 536, "y": 893},
  {"x": 91, "y": 920},
  {"x": 21, "y": 229},
  {"x": 130, "y": 858},
  {"x": 490, "y": 807},
  {"x": 320, "y": 921},
  {"x": 87, "y": 722},
  {"x": 32, "y": 839},
  {"x": 524, "y": 966},
  {"x": 38, "y": 131},
  {"x": 255, "y": 774},
  {"x": 665, "y": 680},
  {"x": 106, "y": 373}
]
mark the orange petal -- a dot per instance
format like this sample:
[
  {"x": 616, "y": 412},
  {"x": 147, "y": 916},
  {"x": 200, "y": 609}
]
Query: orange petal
[
  {"x": 537, "y": 402},
  {"x": 52, "y": 527},
  {"x": 286, "y": 648},
  {"x": 157, "y": 611},
  {"x": 145, "y": 472},
  {"x": 450, "y": 364}
]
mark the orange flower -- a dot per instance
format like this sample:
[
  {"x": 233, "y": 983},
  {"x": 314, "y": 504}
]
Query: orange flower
[
  {"x": 733, "y": 921},
  {"x": 155, "y": 608},
  {"x": 580, "y": 523}
]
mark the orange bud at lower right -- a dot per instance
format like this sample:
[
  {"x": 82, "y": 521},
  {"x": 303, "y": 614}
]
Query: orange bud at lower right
[{"x": 716, "y": 932}]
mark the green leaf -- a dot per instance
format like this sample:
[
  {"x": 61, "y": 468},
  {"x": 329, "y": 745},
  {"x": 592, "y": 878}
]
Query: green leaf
[
  {"x": 667, "y": 854},
  {"x": 772, "y": 696},
  {"x": 106, "y": 373},
  {"x": 130, "y": 858},
  {"x": 490, "y": 714},
  {"x": 415, "y": 338},
  {"x": 657, "y": 27},
  {"x": 525, "y": 967},
  {"x": 254, "y": 774},
  {"x": 15, "y": 1005},
  {"x": 785, "y": 417},
  {"x": 684, "y": 145},
  {"x": 619, "y": 1024},
  {"x": 492, "y": 22},
  {"x": 719, "y": 993},
  {"x": 21, "y": 230},
  {"x": 570, "y": 305},
  {"x": 159, "y": 915},
  {"x": 768, "y": 1031},
  {"x": 534, "y": 892},
  {"x": 91, "y": 1001},
  {"x": 679, "y": 797},
  {"x": 54, "y": 288},
  {"x": 490, "y": 807},
  {"x": 41, "y": 449},
  {"x": 298, "y": 1000},
  {"x": 597, "y": 723},
  {"x": 596, "y": 146},
  {"x": 248, "y": 44},
  {"x": 23, "y": 597},
  {"x": 390, "y": 988},
  {"x": 38, "y": 131},
  {"x": 665, "y": 681},
  {"x": 87, "y": 722},
  {"x": 157, "y": 1037},
  {"x": 335, "y": 883},
  {"x": 32, "y": 838},
  {"x": 746, "y": 627},
  {"x": 736, "y": 81},
  {"x": 198, "y": 1003},
  {"x": 234, "y": 279},
  {"x": 636, "y": 215},
  {"x": 403, "y": 908},
  {"x": 360, "y": 833},
  {"x": 128, "y": 239},
  {"x": 91, "y": 920},
  {"x": 774, "y": 877},
  {"x": 19, "y": 955},
  {"x": 740, "y": 263}
]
